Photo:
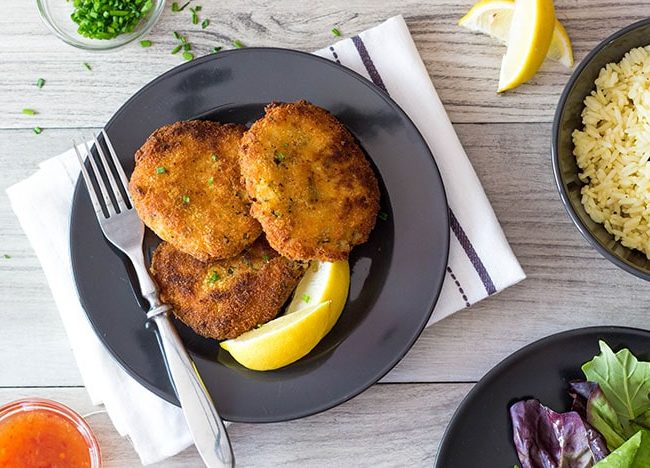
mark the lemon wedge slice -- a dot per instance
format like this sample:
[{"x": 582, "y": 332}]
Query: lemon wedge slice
[
  {"x": 530, "y": 36},
  {"x": 323, "y": 281},
  {"x": 494, "y": 17},
  {"x": 283, "y": 340}
]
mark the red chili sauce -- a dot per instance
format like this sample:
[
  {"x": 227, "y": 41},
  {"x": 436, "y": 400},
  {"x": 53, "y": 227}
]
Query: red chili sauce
[{"x": 41, "y": 439}]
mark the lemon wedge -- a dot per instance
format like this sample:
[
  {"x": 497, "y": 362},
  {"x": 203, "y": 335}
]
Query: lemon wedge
[
  {"x": 530, "y": 36},
  {"x": 323, "y": 281},
  {"x": 494, "y": 17},
  {"x": 283, "y": 340}
]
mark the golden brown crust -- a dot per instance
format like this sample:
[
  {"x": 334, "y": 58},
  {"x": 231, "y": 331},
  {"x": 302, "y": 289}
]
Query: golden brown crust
[
  {"x": 312, "y": 188},
  {"x": 224, "y": 298},
  {"x": 198, "y": 203}
]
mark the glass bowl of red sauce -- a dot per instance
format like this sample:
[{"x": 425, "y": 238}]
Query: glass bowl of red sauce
[{"x": 37, "y": 432}]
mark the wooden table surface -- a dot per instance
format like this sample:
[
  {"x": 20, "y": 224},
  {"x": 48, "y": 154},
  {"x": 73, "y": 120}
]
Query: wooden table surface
[{"x": 399, "y": 421}]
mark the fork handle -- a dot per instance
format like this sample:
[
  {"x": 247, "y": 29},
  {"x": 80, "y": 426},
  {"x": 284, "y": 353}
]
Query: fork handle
[{"x": 207, "y": 428}]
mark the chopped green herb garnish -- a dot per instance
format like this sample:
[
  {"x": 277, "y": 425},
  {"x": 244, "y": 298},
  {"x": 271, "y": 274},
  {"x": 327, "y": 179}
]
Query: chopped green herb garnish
[
  {"x": 177, "y": 35},
  {"x": 306, "y": 298},
  {"x": 188, "y": 55},
  {"x": 176, "y": 8},
  {"x": 382, "y": 215},
  {"x": 214, "y": 277},
  {"x": 279, "y": 157},
  {"x": 7, "y": 256},
  {"x": 183, "y": 40},
  {"x": 145, "y": 43},
  {"x": 238, "y": 44},
  {"x": 266, "y": 258},
  {"x": 205, "y": 23},
  {"x": 211, "y": 181},
  {"x": 186, "y": 199},
  {"x": 336, "y": 32},
  {"x": 161, "y": 170},
  {"x": 195, "y": 16},
  {"x": 29, "y": 112},
  {"x": 40, "y": 82},
  {"x": 198, "y": 8},
  {"x": 176, "y": 49},
  {"x": 216, "y": 49},
  {"x": 102, "y": 19},
  {"x": 214, "y": 157},
  {"x": 38, "y": 130},
  {"x": 87, "y": 65},
  {"x": 187, "y": 46}
]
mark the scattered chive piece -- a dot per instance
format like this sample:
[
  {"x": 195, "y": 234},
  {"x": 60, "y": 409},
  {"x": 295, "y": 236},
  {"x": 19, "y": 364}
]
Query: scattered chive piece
[
  {"x": 195, "y": 16},
  {"x": 211, "y": 181},
  {"x": 214, "y": 157},
  {"x": 38, "y": 130},
  {"x": 177, "y": 36},
  {"x": 40, "y": 82},
  {"x": 179, "y": 8},
  {"x": 205, "y": 23},
  {"x": 198, "y": 8},
  {"x": 216, "y": 49},
  {"x": 238, "y": 44},
  {"x": 188, "y": 55},
  {"x": 161, "y": 170},
  {"x": 336, "y": 32},
  {"x": 87, "y": 65},
  {"x": 187, "y": 46},
  {"x": 145, "y": 43},
  {"x": 382, "y": 215},
  {"x": 7, "y": 256},
  {"x": 186, "y": 199},
  {"x": 306, "y": 298},
  {"x": 29, "y": 112},
  {"x": 279, "y": 157},
  {"x": 266, "y": 258},
  {"x": 214, "y": 277},
  {"x": 176, "y": 49}
]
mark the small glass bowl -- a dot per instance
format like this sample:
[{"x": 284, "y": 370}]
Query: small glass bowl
[
  {"x": 34, "y": 404},
  {"x": 56, "y": 16}
]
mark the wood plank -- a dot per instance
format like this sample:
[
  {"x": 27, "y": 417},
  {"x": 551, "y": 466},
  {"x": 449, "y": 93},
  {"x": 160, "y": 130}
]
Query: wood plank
[
  {"x": 569, "y": 285},
  {"x": 463, "y": 66},
  {"x": 388, "y": 425}
]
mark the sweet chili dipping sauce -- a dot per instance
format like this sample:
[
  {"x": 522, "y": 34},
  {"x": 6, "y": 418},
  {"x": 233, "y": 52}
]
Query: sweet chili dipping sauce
[{"x": 38, "y": 433}]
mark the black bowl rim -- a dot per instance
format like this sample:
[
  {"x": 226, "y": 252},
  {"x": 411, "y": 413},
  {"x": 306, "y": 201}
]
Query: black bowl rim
[{"x": 564, "y": 196}]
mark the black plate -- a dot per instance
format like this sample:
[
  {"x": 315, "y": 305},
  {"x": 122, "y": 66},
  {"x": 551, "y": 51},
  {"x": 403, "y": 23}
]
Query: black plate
[
  {"x": 396, "y": 275},
  {"x": 480, "y": 433}
]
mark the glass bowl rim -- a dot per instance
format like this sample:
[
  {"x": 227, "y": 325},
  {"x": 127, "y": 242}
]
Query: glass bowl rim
[{"x": 151, "y": 20}]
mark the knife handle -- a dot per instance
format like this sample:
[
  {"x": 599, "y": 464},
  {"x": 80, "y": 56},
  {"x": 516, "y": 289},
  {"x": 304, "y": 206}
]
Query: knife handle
[{"x": 207, "y": 428}]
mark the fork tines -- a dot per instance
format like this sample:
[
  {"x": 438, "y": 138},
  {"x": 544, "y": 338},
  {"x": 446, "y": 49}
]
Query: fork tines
[{"x": 96, "y": 175}]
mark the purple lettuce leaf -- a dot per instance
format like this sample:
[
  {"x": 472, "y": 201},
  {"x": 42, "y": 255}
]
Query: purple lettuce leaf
[
  {"x": 546, "y": 439},
  {"x": 590, "y": 402}
]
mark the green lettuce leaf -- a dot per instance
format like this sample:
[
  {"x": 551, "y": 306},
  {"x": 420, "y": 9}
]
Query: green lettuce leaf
[
  {"x": 635, "y": 453},
  {"x": 624, "y": 381}
]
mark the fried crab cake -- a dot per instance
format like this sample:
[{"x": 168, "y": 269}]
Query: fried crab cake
[
  {"x": 222, "y": 299},
  {"x": 312, "y": 188},
  {"x": 187, "y": 188}
]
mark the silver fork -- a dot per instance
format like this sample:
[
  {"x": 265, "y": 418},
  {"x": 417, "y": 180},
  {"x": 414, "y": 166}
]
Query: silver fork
[{"x": 124, "y": 229}]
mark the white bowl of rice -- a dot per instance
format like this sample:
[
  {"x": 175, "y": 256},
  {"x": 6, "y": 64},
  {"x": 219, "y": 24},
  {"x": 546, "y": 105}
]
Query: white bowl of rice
[{"x": 601, "y": 148}]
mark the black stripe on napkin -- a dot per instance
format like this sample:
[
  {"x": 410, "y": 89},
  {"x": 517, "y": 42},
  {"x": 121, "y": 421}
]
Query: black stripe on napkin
[{"x": 456, "y": 228}]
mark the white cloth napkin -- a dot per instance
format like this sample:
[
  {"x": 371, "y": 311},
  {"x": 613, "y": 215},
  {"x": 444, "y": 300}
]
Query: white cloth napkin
[{"x": 480, "y": 260}]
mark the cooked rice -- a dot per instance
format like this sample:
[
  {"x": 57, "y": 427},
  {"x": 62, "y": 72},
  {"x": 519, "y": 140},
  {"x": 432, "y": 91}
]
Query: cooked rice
[{"x": 613, "y": 150}]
